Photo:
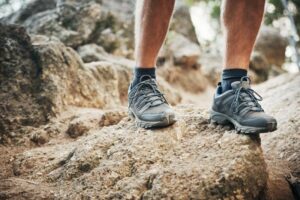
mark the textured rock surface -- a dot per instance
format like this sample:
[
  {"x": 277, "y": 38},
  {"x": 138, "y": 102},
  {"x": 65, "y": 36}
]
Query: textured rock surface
[
  {"x": 19, "y": 71},
  {"x": 72, "y": 138},
  {"x": 193, "y": 80},
  {"x": 89, "y": 119},
  {"x": 182, "y": 51},
  {"x": 77, "y": 23},
  {"x": 271, "y": 45},
  {"x": 94, "y": 52},
  {"x": 282, "y": 147},
  {"x": 210, "y": 66},
  {"x": 259, "y": 64},
  {"x": 182, "y": 18},
  {"x": 73, "y": 27},
  {"x": 39, "y": 81},
  {"x": 199, "y": 160}
]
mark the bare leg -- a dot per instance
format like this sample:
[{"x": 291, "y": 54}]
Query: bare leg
[
  {"x": 241, "y": 20},
  {"x": 238, "y": 105},
  {"x": 146, "y": 104},
  {"x": 151, "y": 26}
]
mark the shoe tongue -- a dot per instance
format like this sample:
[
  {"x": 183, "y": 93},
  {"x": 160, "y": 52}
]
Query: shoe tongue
[
  {"x": 145, "y": 77},
  {"x": 237, "y": 84}
]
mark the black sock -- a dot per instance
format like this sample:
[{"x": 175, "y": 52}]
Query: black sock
[
  {"x": 231, "y": 75},
  {"x": 140, "y": 72}
]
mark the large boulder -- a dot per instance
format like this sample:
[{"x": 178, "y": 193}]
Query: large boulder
[
  {"x": 260, "y": 66},
  {"x": 65, "y": 80},
  {"x": 211, "y": 66},
  {"x": 72, "y": 26},
  {"x": 181, "y": 51},
  {"x": 94, "y": 52},
  {"x": 182, "y": 22},
  {"x": 77, "y": 23},
  {"x": 272, "y": 45},
  {"x": 282, "y": 147},
  {"x": 42, "y": 77},
  {"x": 19, "y": 72},
  {"x": 40, "y": 80},
  {"x": 188, "y": 80},
  {"x": 190, "y": 160},
  {"x": 123, "y": 8}
]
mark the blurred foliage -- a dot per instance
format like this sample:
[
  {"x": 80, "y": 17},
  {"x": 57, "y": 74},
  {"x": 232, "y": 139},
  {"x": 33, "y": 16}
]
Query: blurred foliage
[
  {"x": 216, "y": 9},
  {"x": 279, "y": 10}
]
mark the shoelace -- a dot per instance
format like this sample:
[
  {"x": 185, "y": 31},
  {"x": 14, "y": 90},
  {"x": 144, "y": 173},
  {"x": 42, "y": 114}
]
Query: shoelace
[
  {"x": 248, "y": 98},
  {"x": 144, "y": 97}
]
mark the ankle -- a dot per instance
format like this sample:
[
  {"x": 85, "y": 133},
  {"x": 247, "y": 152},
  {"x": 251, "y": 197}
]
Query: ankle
[
  {"x": 231, "y": 75},
  {"x": 140, "y": 72}
]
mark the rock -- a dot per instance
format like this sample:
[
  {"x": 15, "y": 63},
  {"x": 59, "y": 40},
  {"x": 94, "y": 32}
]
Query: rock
[
  {"x": 73, "y": 28},
  {"x": 19, "y": 69},
  {"x": 89, "y": 119},
  {"x": 31, "y": 189},
  {"x": 173, "y": 75},
  {"x": 67, "y": 81},
  {"x": 91, "y": 53},
  {"x": 191, "y": 80},
  {"x": 40, "y": 137},
  {"x": 94, "y": 52},
  {"x": 182, "y": 51},
  {"x": 276, "y": 71},
  {"x": 172, "y": 94},
  {"x": 122, "y": 161},
  {"x": 254, "y": 77},
  {"x": 48, "y": 77},
  {"x": 76, "y": 23},
  {"x": 259, "y": 64},
  {"x": 78, "y": 128},
  {"x": 112, "y": 117},
  {"x": 182, "y": 22},
  {"x": 282, "y": 147},
  {"x": 211, "y": 67},
  {"x": 124, "y": 9},
  {"x": 43, "y": 79},
  {"x": 272, "y": 45}
]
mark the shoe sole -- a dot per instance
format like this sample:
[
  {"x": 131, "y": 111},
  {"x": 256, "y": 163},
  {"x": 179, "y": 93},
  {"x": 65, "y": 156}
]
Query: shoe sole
[
  {"x": 168, "y": 120},
  {"x": 223, "y": 119}
]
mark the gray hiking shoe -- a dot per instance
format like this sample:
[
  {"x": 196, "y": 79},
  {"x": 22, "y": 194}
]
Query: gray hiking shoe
[
  {"x": 148, "y": 105},
  {"x": 240, "y": 107}
]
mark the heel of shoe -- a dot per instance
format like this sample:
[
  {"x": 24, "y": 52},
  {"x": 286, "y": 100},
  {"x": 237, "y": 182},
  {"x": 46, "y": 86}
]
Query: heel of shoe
[{"x": 218, "y": 118}]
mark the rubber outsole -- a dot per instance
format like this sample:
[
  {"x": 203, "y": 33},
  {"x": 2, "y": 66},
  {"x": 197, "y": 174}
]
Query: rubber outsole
[
  {"x": 167, "y": 121},
  {"x": 223, "y": 119}
]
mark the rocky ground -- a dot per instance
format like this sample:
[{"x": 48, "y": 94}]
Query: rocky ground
[
  {"x": 64, "y": 129},
  {"x": 65, "y": 134}
]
